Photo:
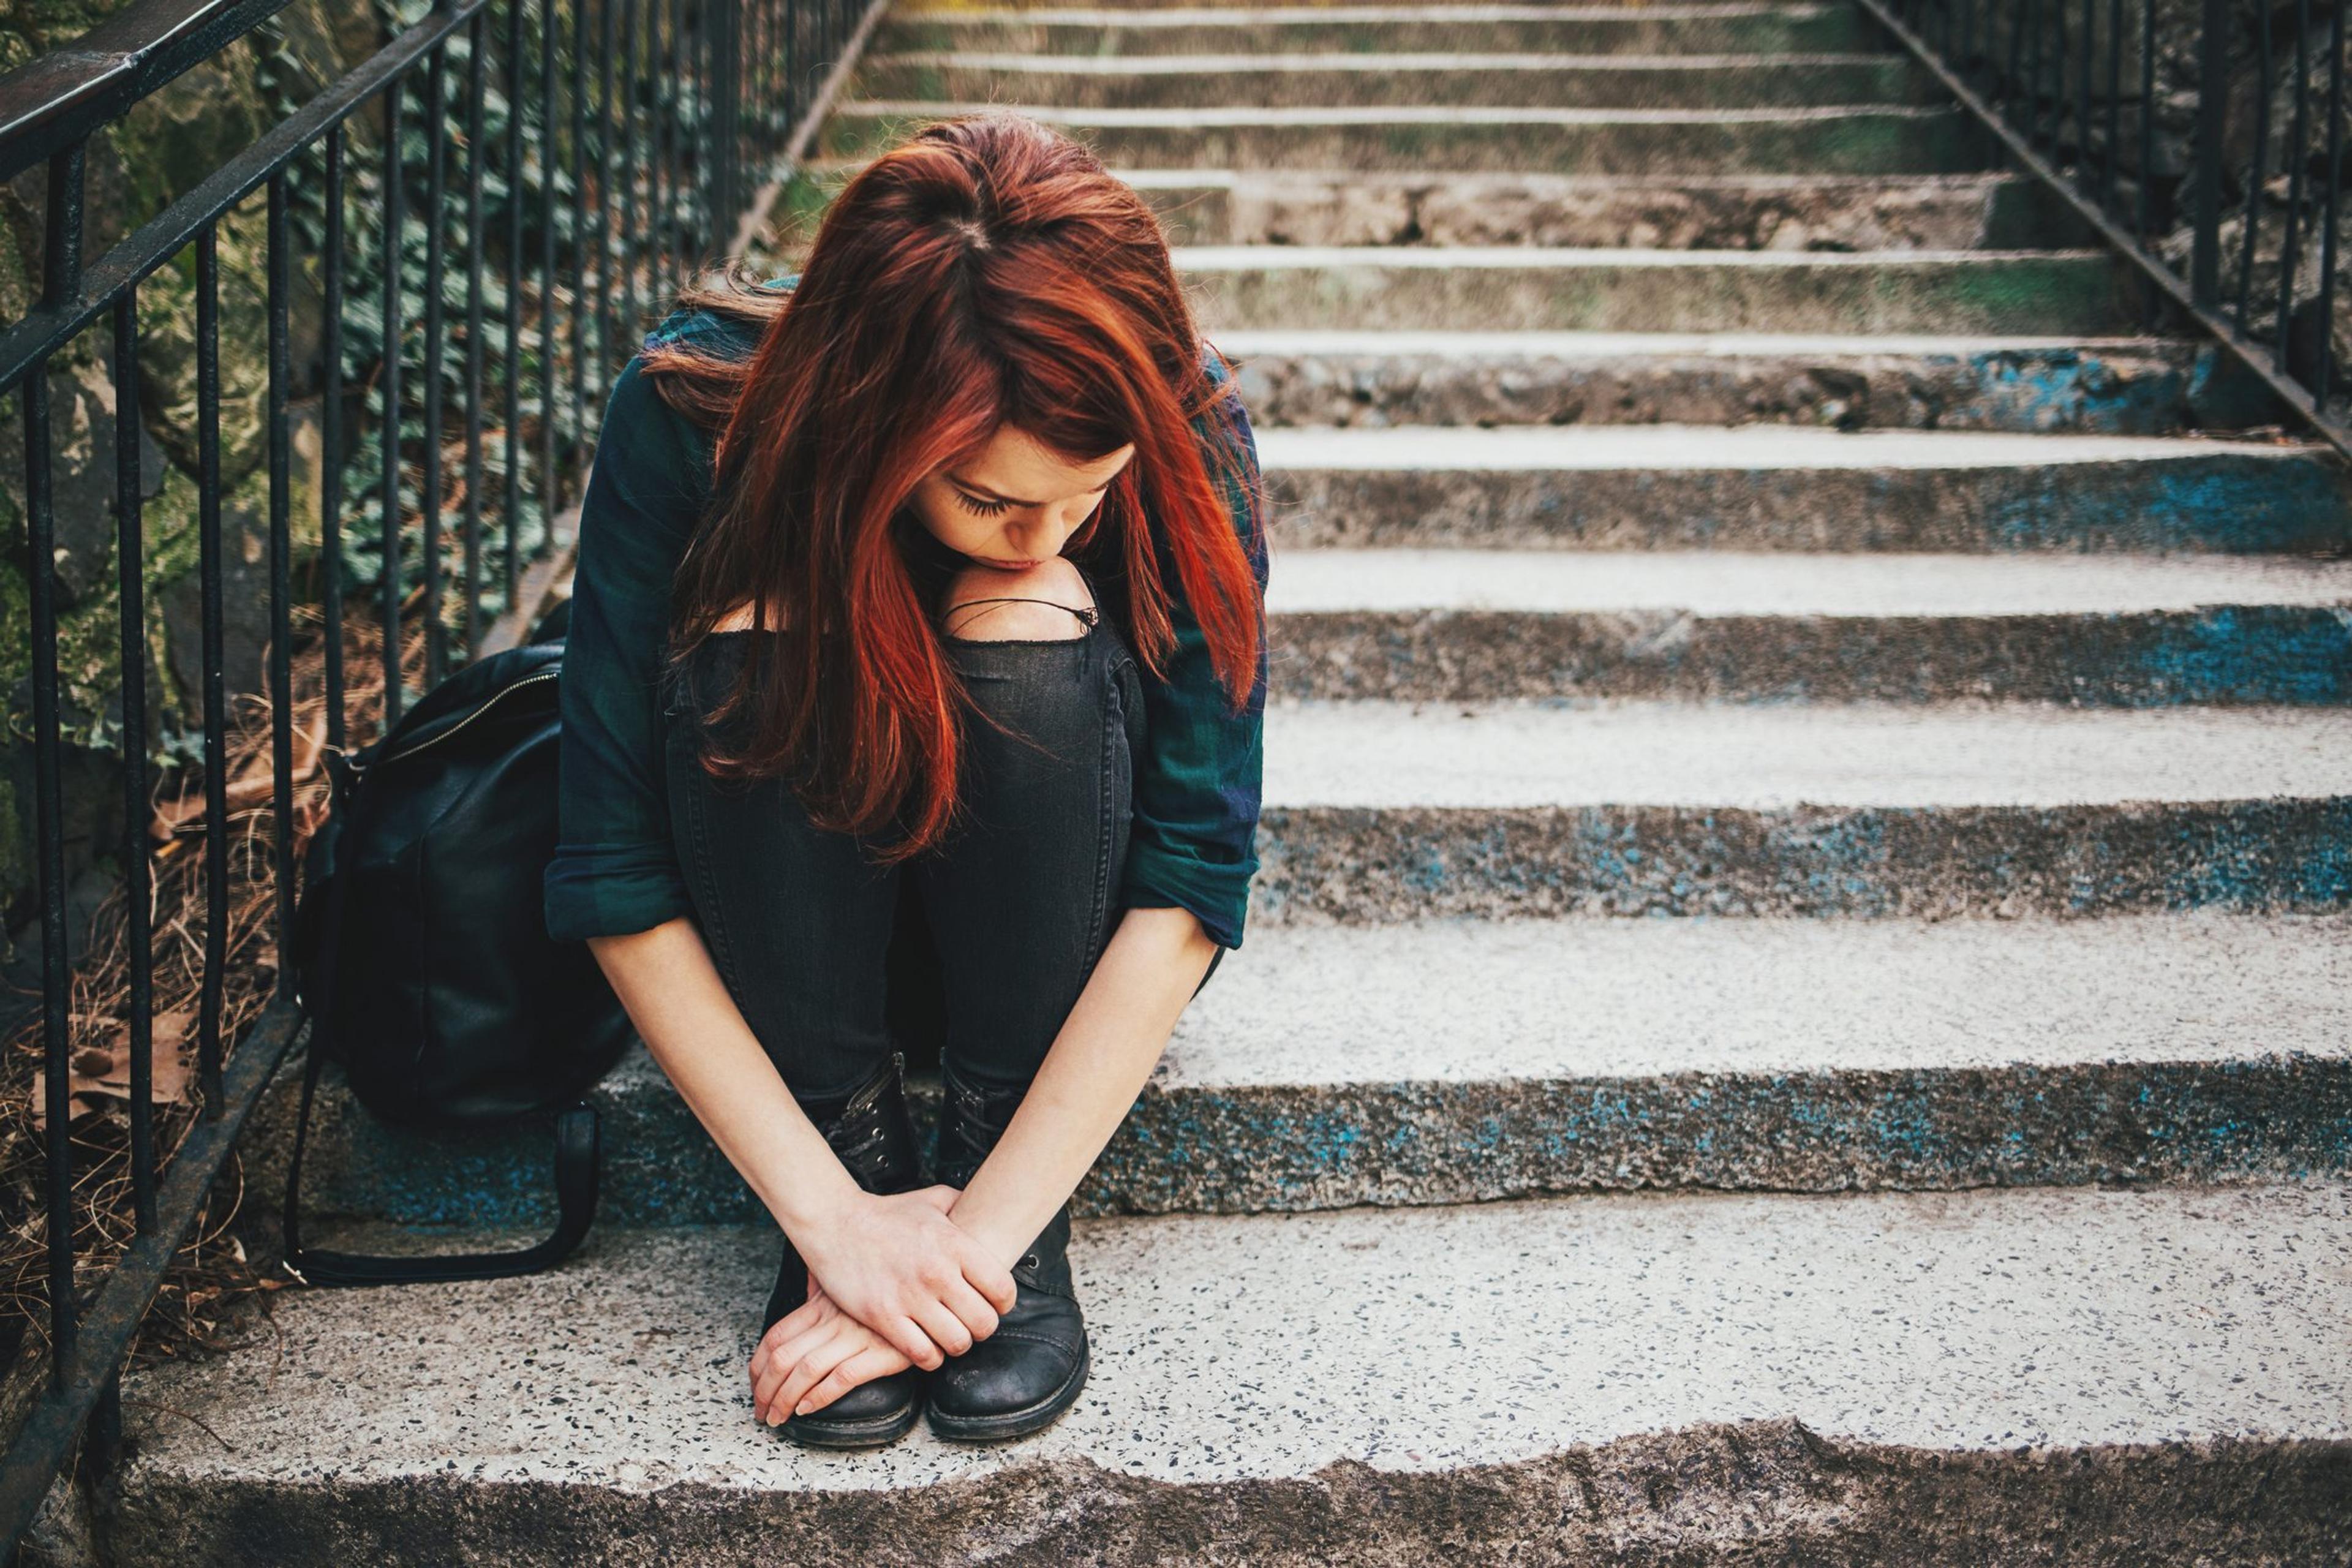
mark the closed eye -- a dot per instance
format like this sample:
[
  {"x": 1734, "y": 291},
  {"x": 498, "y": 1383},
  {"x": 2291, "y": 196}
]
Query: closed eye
[{"x": 983, "y": 507}]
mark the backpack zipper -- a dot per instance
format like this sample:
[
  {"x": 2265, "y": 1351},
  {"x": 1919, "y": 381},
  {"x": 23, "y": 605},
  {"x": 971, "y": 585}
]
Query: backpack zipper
[{"x": 436, "y": 740}]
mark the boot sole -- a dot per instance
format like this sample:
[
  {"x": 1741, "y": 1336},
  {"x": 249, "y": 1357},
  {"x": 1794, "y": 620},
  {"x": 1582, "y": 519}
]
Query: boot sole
[
  {"x": 867, "y": 1433},
  {"x": 1014, "y": 1423}
]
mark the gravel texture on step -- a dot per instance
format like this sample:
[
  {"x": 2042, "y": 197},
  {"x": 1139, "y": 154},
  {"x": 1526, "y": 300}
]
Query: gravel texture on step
[
  {"x": 1449, "y": 1061},
  {"x": 1771, "y": 487},
  {"x": 1474, "y": 626},
  {"x": 1496, "y": 79},
  {"x": 1412, "y": 206},
  {"x": 1780, "y": 1377},
  {"x": 1686, "y": 447},
  {"x": 1372, "y": 380},
  {"x": 1771, "y": 583},
  {"x": 1624, "y": 289},
  {"x": 1869, "y": 139},
  {"x": 1615, "y": 29},
  {"x": 1761, "y": 758},
  {"x": 1381, "y": 812}
]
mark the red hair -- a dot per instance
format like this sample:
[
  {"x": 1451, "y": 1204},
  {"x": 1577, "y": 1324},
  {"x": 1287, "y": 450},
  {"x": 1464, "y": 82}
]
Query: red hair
[{"x": 987, "y": 272}]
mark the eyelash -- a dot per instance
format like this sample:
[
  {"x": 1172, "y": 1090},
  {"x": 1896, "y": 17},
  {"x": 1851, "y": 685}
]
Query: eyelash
[{"x": 983, "y": 507}]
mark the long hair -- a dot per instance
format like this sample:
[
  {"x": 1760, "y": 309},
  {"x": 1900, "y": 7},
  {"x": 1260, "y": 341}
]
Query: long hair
[{"x": 987, "y": 272}]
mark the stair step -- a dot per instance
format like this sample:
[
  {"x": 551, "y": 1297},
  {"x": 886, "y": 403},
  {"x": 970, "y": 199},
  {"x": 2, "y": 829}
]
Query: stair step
[
  {"x": 1763, "y": 487},
  {"x": 1690, "y": 212},
  {"x": 1360, "y": 28},
  {"x": 1455, "y": 1061},
  {"x": 1382, "y": 812},
  {"x": 1560, "y": 289},
  {"x": 1617, "y": 1377},
  {"x": 2100, "y": 386},
  {"x": 1472, "y": 625},
  {"x": 1448, "y": 77},
  {"x": 1862, "y": 139}
]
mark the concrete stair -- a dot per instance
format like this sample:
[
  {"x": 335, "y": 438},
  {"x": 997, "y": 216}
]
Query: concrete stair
[
  {"x": 1322, "y": 81},
  {"x": 1692, "y": 212},
  {"x": 1380, "y": 28},
  {"x": 1838, "y": 138},
  {"x": 2124, "y": 386},
  {"x": 1705, "y": 490},
  {"x": 1434, "y": 1061},
  {"x": 1955, "y": 1377}
]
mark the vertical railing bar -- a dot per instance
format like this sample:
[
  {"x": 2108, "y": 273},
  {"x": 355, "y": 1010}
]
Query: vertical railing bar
[
  {"x": 705, "y": 147},
  {"x": 2147, "y": 121},
  {"x": 475, "y": 153},
  {"x": 729, "y": 133},
  {"x": 138, "y": 873},
  {"x": 2053, "y": 45},
  {"x": 2082, "y": 94},
  {"x": 2321, "y": 373},
  {"x": 1965, "y": 34},
  {"x": 2115, "y": 107},
  {"x": 657, "y": 101},
  {"x": 48, "y": 813},
  {"x": 548, "y": 315},
  {"x": 61, "y": 279},
  {"x": 278, "y": 267},
  {"x": 630, "y": 172},
  {"x": 2205, "y": 158},
  {"x": 2294, "y": 161},
  {"x": 395, "y": 219},
  {"x": 211, "y": 567},
  {"x": 2258, "y": 175},
  {"x": 330, "y": 443},
  {"x": 2006, "y": 83},
  {"x": 510, "y": 492},
  {"x": 430, "y": 497},
  {"x": 62, "y": 227},
  {"x": 579, "y": 264},
  {"x": 609, "y": 31}
]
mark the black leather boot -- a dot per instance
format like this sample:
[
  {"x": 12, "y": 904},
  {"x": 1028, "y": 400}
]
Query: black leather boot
[
  {"x": 870, "y": 1131},
  {"x": 1021, "y": 1378}
]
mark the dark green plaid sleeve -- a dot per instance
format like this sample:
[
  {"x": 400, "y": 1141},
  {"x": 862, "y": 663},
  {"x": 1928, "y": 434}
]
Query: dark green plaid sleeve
[
  {"x": 1198, "y": 784},
  {"x": 616, "y": 868}
]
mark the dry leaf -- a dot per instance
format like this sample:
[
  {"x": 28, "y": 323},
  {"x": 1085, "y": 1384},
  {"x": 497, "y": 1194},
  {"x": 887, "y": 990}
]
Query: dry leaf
[{"x": 98, "y": 1074}]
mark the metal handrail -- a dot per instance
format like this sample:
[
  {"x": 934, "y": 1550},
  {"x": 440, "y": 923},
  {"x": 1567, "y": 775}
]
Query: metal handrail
[
  {"x": 61, "y": 98},
  {"x": 2047, "y": 100}
]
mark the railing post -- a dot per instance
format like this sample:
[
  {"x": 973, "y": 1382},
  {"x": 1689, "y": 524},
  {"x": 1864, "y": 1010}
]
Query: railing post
[
  {"x": 726, "y": 99},
  {"x": 2205, "y": 156}
]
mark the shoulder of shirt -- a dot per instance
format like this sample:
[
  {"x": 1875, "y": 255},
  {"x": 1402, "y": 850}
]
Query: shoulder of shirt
[{"x": 709, "y": 331}]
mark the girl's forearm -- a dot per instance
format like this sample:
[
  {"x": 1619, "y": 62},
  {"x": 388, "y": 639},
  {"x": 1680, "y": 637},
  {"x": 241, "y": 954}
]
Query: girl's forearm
[
  {"x": 681, "y": 1006},
  {"x": 1091, "y": 1074}
]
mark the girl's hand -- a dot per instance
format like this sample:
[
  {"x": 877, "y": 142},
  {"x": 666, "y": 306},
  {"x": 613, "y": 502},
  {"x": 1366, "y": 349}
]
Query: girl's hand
[
  {"x": 813, "y": 1355},
  {"x": 900, "y": 1267}
]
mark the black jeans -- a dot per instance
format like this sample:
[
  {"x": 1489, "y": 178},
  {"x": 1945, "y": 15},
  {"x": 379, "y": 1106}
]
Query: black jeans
[{"x": 984, "y": 941}]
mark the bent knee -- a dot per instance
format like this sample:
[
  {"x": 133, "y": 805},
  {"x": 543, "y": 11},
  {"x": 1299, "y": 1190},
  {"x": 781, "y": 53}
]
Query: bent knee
[{"x": 974, "y": 607}]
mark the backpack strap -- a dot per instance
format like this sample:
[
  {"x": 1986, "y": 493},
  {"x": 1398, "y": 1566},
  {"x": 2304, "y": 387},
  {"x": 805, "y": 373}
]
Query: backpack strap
[{"x": 576, "y": 1143}]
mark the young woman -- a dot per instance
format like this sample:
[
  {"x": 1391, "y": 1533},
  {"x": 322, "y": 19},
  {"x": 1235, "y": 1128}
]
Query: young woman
[{"x": 917, "y": 649}]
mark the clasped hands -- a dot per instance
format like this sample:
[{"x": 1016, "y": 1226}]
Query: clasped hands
[{"x": 893, "y": 1282}]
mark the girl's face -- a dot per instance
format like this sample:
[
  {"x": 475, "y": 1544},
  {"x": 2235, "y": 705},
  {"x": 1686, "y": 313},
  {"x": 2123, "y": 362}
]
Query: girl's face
[{"x": 1016, "y": 503}]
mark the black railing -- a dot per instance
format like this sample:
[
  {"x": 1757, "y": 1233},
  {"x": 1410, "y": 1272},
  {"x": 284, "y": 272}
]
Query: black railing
[
  {"x": 604, "y": 151},
  {"x": 2202, "y": 139}
]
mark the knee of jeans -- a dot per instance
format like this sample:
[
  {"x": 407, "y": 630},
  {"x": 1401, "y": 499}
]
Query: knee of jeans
[{"x": 1049, "y": 602}]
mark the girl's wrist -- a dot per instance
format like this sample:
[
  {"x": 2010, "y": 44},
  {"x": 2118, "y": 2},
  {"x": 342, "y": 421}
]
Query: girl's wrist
[{"x": 814, "y": 1207}]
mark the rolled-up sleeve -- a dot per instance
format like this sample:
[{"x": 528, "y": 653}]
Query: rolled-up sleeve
[
  {"x": 616, "y": 868},
  {"x": 1198, "y": 783}
]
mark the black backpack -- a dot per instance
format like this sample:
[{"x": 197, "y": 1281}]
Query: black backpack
[{"x": 422, "y": 956}]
